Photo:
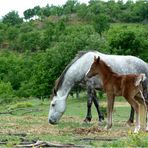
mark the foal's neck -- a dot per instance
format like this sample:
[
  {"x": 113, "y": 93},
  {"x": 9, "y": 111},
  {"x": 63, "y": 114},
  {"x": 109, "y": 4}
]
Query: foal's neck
[{"x": 105, "y": 72}]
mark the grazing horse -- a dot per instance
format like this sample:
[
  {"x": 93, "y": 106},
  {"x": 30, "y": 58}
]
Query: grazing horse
[
  {"x": 75, "y": 72},
  {"x": 128, "y": 86}
]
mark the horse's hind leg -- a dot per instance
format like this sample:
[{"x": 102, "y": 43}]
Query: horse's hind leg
[
  {"x": 101, "y": 117},
  {"x": 89, "y": 104},
  {"x": 145, "y": 92}
]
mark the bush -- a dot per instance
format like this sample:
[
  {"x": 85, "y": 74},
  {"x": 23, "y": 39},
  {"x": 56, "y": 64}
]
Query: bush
[
  {"x": 6, "y": 92},
  {"x": 21, "y": 105},
  {"x": 128, "y": 40}
]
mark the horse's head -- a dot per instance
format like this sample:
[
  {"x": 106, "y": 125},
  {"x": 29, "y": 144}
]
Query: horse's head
[
  {"x": 57, "y": 108},
  {"x": 93, "y": 69}
]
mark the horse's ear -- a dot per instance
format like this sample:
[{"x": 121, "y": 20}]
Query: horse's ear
[
  {"x": 54, "y": 92},
  {"x": 98, "y": 59}
]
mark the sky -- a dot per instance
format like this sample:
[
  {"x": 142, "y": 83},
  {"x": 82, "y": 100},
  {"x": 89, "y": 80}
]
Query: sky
[{"x": 22, "y": 5}]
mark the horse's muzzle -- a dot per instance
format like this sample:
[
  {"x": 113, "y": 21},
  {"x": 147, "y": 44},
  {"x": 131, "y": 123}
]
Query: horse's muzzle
[{"x": 52, "y": 122}]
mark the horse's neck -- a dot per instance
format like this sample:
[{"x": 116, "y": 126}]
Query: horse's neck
[
  {"x": 65, "y": 89},
  {"x": 75, "y": 73}
]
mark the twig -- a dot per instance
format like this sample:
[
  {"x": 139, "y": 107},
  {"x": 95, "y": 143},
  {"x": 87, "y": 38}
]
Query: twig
[{"x": 24, "y": 109}]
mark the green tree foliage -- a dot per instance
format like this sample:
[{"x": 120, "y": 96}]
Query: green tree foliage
[
  {"x": 29, "y": 13},
  {"x": 101, "y": 23},
  {"x": 129, "y": 40},
  {"x": 69, "y": 7},
  {"x": 12, "y": 18},
  {"x": 37, "y": 51}
]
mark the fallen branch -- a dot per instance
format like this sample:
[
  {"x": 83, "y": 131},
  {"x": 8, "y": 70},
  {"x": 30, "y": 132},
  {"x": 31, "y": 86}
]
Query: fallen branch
[
  {"x": 98, "y": 138},
  {"x": 18, "y": 134},
  {"x": 39, "y": 144}
]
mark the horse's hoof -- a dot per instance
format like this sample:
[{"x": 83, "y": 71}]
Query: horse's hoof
[
  {"x": 86, "y": 120},
  {"x": 101, "y": 118},
  {"x": 100, "y": 123}
]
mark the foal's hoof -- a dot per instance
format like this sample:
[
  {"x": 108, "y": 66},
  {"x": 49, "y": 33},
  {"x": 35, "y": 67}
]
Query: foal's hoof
[
  {"x": 137, "y": 129},
  {"x": 107, "y": 127},
  {"x": 129, "y": 123},
  {"x": 146, "y": 129}
]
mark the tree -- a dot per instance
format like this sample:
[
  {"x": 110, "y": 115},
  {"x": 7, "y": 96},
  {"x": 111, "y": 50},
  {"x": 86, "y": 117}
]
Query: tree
[
  {"x": 29, "y": 13},
  {"x": 101, "y": 23},
  {"x": 69, "y": 7},
  {"x": 82, "y": 10},
  {"x": 12, "y": 18}
]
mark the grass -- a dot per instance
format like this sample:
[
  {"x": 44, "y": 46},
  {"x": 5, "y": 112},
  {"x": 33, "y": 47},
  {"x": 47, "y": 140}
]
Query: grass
[{"x": 34, "y": 125}]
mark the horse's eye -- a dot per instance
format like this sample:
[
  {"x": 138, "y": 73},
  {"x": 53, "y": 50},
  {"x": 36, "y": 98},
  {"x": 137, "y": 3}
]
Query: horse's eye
[{"x": 53, "y": 105}]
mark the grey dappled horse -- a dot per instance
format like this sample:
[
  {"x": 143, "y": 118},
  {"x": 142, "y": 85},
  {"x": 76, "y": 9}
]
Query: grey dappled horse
[{"x": 76, "y": 71}]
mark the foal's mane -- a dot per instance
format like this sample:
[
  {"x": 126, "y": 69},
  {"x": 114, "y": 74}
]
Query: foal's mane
[
  {"x": 108, "y": 68},
  {"x": 59, "y": 81}
]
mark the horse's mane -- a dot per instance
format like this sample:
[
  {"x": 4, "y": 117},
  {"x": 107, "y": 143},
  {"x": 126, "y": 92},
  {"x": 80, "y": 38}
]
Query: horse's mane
[{"x": 59, "y": 81}]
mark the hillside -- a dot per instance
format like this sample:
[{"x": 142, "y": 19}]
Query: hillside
[{"x": 33, "y": 53}]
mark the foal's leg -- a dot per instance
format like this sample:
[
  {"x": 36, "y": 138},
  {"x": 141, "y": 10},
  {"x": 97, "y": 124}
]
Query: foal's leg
[
  {"x": 110, "y": 105},
  {"x": 101, "y": 117},
  {"x": 145, "y": 94},
  {"x": 147, "y": 122},
  {"x": 131, "y": 118},
  {"x": 135, "y": 105}
]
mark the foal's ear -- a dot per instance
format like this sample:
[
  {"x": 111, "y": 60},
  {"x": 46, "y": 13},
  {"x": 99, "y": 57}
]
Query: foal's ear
[
  {"x": 98, "y": 59},
  {"x": 95, "y": 59}
]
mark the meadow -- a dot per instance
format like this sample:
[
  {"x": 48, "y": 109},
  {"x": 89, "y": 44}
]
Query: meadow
[{"x": 26, "y": 122}]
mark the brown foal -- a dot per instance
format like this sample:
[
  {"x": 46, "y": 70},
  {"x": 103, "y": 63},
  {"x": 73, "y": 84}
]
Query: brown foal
[{"x": 129, "y": 86}]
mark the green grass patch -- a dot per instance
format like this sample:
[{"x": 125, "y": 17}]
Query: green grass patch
[{"x": 71, "y": 128}]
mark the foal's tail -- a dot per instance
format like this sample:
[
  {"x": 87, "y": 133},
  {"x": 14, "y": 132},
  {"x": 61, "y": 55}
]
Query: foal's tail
[{"x": 140, "y": 79}]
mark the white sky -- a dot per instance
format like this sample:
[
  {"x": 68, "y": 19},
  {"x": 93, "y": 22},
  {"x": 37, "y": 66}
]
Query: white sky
[{"x": 22, "y": 5}]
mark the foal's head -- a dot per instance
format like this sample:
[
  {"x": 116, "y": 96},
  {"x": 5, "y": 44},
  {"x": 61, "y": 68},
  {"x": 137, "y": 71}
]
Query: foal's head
[{"x": 94, "y": 68}]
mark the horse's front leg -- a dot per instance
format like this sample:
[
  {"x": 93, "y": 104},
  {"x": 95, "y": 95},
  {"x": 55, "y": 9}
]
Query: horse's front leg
[
  {"x": 100, "y": 115},
  {"x": 110, "y": 105}
]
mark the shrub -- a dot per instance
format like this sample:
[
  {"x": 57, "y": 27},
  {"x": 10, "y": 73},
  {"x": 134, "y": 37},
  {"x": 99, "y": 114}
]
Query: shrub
[{"x": 6, "y": 92}]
